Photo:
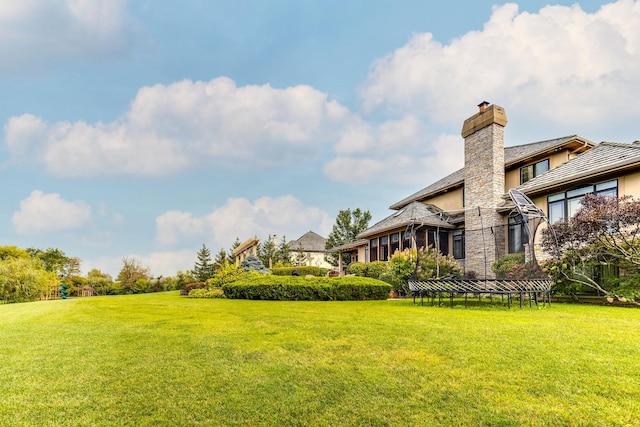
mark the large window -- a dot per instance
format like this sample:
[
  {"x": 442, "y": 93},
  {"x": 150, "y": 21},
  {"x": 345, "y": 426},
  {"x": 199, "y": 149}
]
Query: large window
[
  {"x": 518, "y": 233},
  {"x": 384, "y": 248},
  {"x": 373, "y": 252},
  {"x": 531, "y": 171},
  {"x": 421, "y": 241},
  {"x": 395, "y": 243},
  {"x": 565, "y": 205},
  {"x": 442, "y": 242},
  {"x": 458, "y": 244},
  {"x": 406, "y": 240}
]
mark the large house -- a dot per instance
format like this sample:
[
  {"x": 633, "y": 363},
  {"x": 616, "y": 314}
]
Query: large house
[
  {"x": 309, "y": 249},
  {"x": 469, "y": 214}
]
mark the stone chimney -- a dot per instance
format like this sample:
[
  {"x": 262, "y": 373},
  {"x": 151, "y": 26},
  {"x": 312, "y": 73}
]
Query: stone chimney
[{"x": 483, "y": 135}]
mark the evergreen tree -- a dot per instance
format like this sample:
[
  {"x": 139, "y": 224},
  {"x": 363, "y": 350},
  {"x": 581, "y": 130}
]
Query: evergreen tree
[
  {"x": 348, "y": 225},
  {"x": 203, "y": 268},
  {"x": 267, "y": 251},
  {"x": 282, "y": 254},
  {"x": 253, "y": 263},
  {"x": 221, "y": 261}
]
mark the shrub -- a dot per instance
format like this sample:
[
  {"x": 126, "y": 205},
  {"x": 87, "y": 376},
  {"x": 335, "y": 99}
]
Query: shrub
[
  {"x": 433, "y": 265},
  {"x": 226, "y": 274},
  {"x": 253, "y": 263},
  {"x": 188, "y": 287},
  {"x": 304, "y": 270},
  {"x": 504, "y": 265},
  {"x": 401, "y": 267},
  {"x": 357, "y": 268},
  {"x": 376, "y": 269},
  {"x": 292, "y": 288},
  {"x": 206, "y": 293}
]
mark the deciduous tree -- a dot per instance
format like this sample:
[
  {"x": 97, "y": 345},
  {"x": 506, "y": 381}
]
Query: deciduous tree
[
  {"x": 132, "y": 271},
  {"x": 604, "y": 231}
]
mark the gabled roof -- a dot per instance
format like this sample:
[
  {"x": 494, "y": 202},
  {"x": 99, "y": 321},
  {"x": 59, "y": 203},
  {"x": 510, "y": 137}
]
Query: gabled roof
[
  {"x": 512, "y": 155},
  {"x": 415, "y": 212},
  {"x": 310, "y": 242},
  {"x": 518, "y": 153},
  {"x": 605, "y": 158}
]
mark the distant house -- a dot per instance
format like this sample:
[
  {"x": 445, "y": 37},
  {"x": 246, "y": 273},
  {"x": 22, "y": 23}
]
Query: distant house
[
  {"x": 469, "y": 215},
  {"x": 311, "y": 246}
]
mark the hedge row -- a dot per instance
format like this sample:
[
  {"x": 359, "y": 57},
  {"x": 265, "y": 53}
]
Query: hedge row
[
  {"x": 305, "y": 270},
  {"x": 206, "y": 293},
  {"x": 294, "y": 288}
]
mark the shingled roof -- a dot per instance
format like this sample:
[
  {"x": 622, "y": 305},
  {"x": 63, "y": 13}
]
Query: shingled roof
[
  {"x": 310, "y": 242},
  {"x": 606, "y": 158},
  {"x": 512, "y": 155},
  {"x": 421, "y": 213}
]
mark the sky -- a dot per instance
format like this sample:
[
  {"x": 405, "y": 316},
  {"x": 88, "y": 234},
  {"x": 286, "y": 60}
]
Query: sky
[{"x": 147, "y": 128}]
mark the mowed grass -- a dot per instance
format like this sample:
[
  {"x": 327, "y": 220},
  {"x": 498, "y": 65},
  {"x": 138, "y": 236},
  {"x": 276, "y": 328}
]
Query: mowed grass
[{"x": 165, "y": 360}]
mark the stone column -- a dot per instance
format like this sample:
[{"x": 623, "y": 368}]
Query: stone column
[{"x": 483, "y": 135}]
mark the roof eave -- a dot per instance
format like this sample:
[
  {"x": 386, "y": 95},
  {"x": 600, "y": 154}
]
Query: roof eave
[{"x": 534, "y": 191}]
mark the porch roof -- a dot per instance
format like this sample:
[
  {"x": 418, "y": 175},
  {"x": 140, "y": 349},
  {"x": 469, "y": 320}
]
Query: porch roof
[{"x": 415, "y": 212}]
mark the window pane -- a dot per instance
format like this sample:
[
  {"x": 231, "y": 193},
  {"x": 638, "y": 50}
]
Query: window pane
[
  {"x": 610, "y": 192},
  {"x": 555, "y": 197},
  {"x": 373, "y": 253},
  {"x": 607, "y": 185},
  {"x": 526, "y": 173},
  {"x": 580, "y": 191},
  {"x": 542, "y": 167},
  {"x": 556, "y": 211},
  {"x": 572, "y": 206},
  {"x": 516, "y": 234},
  {"x": 458, "y": 246},
  {"x": 406, "y": 243},
  {"x": 421, "y": 240},
  {"x": 395, "y": 243}
]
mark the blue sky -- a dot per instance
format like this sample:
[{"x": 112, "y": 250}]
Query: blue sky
[{"x": 147, "y": 128}]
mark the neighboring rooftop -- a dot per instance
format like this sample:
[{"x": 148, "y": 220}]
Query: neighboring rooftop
[
  {"x": 512, "y": 156},
  {"x": 310, "y": 242}
]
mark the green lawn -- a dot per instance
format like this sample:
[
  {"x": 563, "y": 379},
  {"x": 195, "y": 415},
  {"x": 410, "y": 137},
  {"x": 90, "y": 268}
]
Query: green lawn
[{"x": 161, "y": 359}]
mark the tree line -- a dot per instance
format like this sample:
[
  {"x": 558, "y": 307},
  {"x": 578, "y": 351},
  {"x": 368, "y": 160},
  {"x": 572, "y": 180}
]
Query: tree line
[{"x": 33, "y": 273}]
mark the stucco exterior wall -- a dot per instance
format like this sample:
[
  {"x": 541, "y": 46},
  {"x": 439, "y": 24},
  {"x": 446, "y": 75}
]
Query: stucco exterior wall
[
  {"x": 512, "y": 177},
  {"x": 449, "y": 201},
  {"x": 629, "y": 185}
]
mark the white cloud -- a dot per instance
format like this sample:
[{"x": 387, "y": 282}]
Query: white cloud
[
  {"x": 395, "y": 151},
  {"x": 560, "y": 64},
  {"x": 43, "y": 213},
  {"x": 169, "y": 128},
  {"x": 35, "y": 33},
  {"x": 282, "y": 216}
]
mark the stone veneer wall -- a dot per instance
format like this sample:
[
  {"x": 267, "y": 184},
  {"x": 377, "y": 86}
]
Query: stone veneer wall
[{"x": 484, "y": 187}]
